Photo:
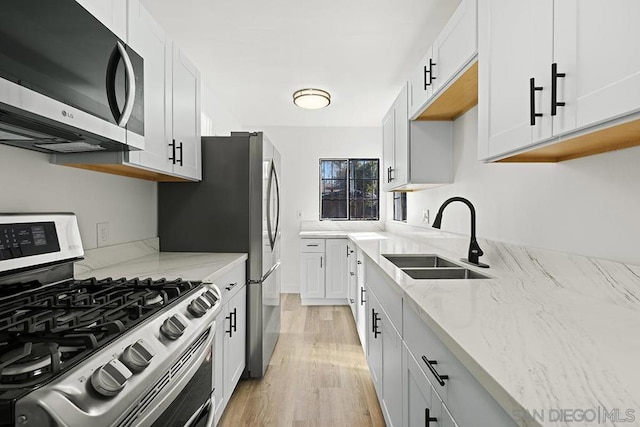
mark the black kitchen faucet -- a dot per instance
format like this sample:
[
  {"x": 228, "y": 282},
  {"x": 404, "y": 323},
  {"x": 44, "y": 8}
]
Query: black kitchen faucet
[{"x": 474, "y": 249}]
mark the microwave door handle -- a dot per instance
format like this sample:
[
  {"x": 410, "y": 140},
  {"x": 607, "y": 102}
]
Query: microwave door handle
[
  {"x": 112, "y": 68},
  {"x": 130, "y": 86}
]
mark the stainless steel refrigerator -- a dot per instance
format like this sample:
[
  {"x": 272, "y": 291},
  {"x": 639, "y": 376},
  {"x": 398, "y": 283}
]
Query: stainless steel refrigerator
[{"x": 235, "y": 208}]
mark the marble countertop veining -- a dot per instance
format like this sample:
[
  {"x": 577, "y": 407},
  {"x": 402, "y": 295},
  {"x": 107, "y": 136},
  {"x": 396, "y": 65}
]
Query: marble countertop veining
[
  {"x": 144, "y": 261},
  {"x": 550, "y": 332}
]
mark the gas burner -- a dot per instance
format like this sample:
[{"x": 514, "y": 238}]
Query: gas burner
[
  {"x": 29, "y": 361},
  {"x": 153, "y": 298}
]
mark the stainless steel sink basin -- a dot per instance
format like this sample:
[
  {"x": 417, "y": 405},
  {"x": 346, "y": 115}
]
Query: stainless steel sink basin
[
  {"x": 443, "y": 273},
  {"x": 419, "y": 261}
]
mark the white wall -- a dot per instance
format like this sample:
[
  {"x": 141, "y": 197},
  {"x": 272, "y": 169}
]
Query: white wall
[
  {"x": 587, "y": 206},
  {"x": 31, "y": 184},
  {"x": 300, "y": 149},
  {"x": 216, "y": 120}
]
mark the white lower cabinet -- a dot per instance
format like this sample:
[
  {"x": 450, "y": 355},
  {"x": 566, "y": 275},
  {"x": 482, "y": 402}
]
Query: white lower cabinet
[
  {"x": 418, "y": 380},
  {"x": 229, "y": 347},
  {"x": 361, "y": 298},
  {"x": 324, "y": 271}
]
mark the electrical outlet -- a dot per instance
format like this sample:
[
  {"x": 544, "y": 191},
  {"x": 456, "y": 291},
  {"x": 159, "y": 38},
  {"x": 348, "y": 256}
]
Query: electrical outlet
[
  {"x": 102, "y": 233},
  {"x": 299, "y": 215},
  {"x": 425, "y": 216}
]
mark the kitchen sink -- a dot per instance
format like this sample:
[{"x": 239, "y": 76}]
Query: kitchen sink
[
  {"x": 443, "y": 273},
  {"x": 419, "y": 261}
]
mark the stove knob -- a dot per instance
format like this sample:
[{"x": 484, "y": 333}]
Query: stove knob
[
  {"x": 199, "y": 307},
  {"x": 174, "y": 326},
  {"x": 211, "y": 297},
  {"x": 110, "y": 378},
  {"x": 137, "y": 356}
]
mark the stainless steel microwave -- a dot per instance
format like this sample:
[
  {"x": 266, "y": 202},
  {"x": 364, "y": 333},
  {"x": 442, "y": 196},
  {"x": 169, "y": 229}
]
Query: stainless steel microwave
[{"x": 67, "y": 83}]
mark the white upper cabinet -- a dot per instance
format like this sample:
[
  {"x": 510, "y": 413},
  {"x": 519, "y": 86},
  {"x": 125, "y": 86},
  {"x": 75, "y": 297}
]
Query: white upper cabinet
[
  {"x": 112, "y": 13},
  {"x": 447, "y": 60},
  {"x": 515, "y": 46},
  {"x": 456, "y": 45},
  {"x": 416, "y": 155},
  {"x": 185, "y": 108},
  {"x": 552, "y": 72},
  {"x": 596, "y": 47},
  {"x": 148, "y": 39}
]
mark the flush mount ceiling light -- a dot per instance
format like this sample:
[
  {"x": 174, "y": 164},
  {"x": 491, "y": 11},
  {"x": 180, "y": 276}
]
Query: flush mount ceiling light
[{"x": 311, "y": 99}]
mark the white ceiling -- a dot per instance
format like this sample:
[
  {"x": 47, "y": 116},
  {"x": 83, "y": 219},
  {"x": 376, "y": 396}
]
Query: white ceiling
[{"x": 254, "y": 54}]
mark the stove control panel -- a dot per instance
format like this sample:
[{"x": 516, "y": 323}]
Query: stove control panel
[
  {"x": 174, "y": 326},
  {"x": 109, "y": 379},
  {"x": 199, "y": 306},
  {"x": 137, "y": 356}
]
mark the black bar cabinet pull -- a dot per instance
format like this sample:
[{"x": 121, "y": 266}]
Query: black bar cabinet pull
[
  {"x": 439, "y": 378},
  {"x": 362, "y": 291},
  {"x": 231, "y": 285},
  {"x": 173, "y": 151},
  {"x": 235, "y": 319},
  {"x": 358, "y": 262},
  {"x": 230, "y": 331},
  {"x": 431, "y": 64},
  {"x": 425, "y": 78},
  {"x": 428, "y": 419},
  {"x": 309, "y": 245},
  {"x": 320, "y": 262},
  {"x": 554, "y": 89},
  {"x": 181, "y": 154},
  {"x": 532, "y": 95},
  {"x": 375, "y": 318}
]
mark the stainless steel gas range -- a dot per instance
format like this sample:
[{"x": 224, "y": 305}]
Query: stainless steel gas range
[{"x": 97, "y": 352}]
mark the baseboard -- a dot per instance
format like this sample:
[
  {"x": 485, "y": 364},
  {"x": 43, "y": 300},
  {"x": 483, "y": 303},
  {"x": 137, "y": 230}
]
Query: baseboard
[
  {"x": 324, "y": 301},
  {"x": 289, "y": 288}
]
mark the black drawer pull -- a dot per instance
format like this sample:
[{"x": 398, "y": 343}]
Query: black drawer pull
[
  {"x": 554, "y": 89},
  {"x": 173, "y": 152},
  {"x": 235, "y": 320},
  {"x": 375, "y": 318},
  {"x": 428, "y": 419},
  {"x": 231, "y": 285},
  {"x": 312, "y": 246},
  {"x": 439, "y": 378},
  {"x": 358, "y": 262},
  {"x": 532, "y": 94}
]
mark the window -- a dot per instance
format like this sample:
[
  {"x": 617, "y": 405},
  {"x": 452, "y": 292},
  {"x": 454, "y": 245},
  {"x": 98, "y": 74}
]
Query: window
[
  {"x": 349, "y": 189},
  {"x": 400, "y": 206}
]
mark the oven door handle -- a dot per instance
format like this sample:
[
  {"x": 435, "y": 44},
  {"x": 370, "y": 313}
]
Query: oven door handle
[{"x": 204, "y": 411}]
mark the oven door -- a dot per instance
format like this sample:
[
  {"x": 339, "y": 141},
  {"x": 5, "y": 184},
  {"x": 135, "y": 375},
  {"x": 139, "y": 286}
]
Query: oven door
[{"x": 194, "y": 406}]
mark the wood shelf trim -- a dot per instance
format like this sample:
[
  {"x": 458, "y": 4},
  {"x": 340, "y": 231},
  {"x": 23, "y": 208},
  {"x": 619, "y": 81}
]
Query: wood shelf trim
[
  {"x": 455, "y": 100},
  {"x": 613, "y": 138},
  {"x": 128, "y": 171}
]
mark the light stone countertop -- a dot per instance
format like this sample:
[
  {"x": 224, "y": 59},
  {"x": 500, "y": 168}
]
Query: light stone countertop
[
  {"x": 551, "y": 331},
  {"x": 142, "y": 259}
]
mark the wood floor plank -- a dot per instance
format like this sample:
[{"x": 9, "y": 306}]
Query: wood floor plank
[{"x": 318, "y": 375}]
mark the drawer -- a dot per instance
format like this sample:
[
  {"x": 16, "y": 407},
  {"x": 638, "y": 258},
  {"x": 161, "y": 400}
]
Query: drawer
[
  {"x": 311, "y": 245},
  {"x": 383, "y": 287},
  {"x": 231, "y": 282},
  {"x": 465, "y": 398}
]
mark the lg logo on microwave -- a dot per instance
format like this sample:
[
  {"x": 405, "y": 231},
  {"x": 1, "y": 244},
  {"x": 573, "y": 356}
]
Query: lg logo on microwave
[{"x": 68, "y": 115}]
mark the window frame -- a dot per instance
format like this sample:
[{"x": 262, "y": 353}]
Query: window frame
[{"x": 348, "y": 184}]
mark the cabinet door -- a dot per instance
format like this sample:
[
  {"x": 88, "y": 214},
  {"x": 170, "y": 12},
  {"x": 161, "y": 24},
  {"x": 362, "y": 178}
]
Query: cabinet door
[
  {"x": 361, "y": 297},
  {"x": 456, "y": 45},
  {"x": 391, "y": 371},
  {"x": 388, "y": 135},
  {"x": 111, "y": 13},
  {"x": 186, "y": 116},
  {"x": 148, "y": 39},
  {"x": 420, "y": 402},
  {"x": 420, "y": 88},
  {"x": 400, "y": 172},
  {"x": 312, "y": 267},
  {"x": 235, "y": 330},
  {"x": 374, "y": 342},
  {"x": 595, "y": 46},
  {"x": 336, "y": 285},
  {"x": 516, "y": 43}
]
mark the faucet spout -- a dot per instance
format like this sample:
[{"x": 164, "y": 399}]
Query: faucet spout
[{"x": 475, "y": 252}]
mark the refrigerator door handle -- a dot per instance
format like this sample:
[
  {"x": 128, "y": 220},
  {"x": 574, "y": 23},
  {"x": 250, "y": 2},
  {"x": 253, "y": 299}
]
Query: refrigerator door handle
[
  {"x": 273, "y": 186},
  {"x": 266, "y": 275}
]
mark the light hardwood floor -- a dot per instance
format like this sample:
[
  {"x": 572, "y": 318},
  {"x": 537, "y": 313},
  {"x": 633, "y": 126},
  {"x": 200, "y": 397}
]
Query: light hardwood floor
[{"x": 318, "y": 375}]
